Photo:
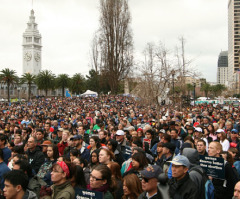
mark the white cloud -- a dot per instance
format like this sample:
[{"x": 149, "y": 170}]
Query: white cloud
[{"x": 67, "y": 28}]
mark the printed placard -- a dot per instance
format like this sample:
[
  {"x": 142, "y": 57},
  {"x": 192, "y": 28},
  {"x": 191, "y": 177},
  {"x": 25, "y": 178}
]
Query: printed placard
[{"x": 213, "y": 166}]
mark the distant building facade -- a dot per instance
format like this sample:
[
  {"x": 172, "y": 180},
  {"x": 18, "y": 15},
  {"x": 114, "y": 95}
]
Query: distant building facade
[
  {"x": 233, "y": 40},
  {"x": 222, "y": 69}
]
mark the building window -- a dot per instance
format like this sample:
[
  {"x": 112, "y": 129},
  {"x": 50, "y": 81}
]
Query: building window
[
  {"x": 36, "y": 40},
  {"x": 28, "y": 39}
]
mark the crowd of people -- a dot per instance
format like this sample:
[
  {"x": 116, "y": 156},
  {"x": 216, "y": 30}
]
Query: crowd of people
[{"x": 58, "y": 147}]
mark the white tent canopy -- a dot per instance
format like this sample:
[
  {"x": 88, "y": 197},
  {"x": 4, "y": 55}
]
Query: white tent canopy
[{"x": 90, "y": 93}]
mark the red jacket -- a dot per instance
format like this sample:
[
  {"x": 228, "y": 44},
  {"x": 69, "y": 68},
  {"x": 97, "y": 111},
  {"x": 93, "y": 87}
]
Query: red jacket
[{"x": 61, "y": 147}]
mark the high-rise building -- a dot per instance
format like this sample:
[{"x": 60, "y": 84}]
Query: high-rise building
[
  {"x": 233, "y": 40},
  {"x": 222, "y": 70},
  {"x": 32, "y": 39}
]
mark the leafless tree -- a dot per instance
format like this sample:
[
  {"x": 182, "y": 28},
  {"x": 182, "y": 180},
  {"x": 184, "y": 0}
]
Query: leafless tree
[
  {"x": 163, "y": 74},
  {"x": 157, "y": 74},
  {"x": 112, "y": 49}
]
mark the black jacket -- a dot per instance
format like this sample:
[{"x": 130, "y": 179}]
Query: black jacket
[
  {"x": 225, "y": 188},
  {"x": 35, "y": 158},
  {"x": 183, "y": 189},
  {"x": 144, "y": 196}
]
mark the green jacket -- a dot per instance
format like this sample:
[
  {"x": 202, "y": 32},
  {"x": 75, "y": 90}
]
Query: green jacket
[
  {"x": 63, "y": 191},
  {"x": 108, "y": 195}
]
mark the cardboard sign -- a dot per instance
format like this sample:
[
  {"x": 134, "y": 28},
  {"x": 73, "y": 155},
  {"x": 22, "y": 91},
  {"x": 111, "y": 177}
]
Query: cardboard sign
[
  {"x": 87, "y": 194},
  {"x": 213, "y": 166}
]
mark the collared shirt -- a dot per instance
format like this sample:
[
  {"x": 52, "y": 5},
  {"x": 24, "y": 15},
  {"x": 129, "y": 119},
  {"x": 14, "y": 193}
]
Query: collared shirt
[{"x": 149, "y": 197}]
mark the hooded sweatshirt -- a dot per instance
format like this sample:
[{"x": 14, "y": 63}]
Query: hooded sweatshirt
[
  {"x": 30, "y": 195},
  {"x": 193, "y": 157}
]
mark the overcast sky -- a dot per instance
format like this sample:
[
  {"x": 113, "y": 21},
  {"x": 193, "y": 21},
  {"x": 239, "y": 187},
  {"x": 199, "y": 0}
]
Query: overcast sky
[{"x": 67, "y": 28}]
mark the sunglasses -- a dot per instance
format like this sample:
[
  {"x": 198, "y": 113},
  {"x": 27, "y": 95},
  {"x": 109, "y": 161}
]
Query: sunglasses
[{"x": 145, "y": 179}]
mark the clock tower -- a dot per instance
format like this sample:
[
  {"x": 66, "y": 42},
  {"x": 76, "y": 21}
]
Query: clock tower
[{"x": 32, "y": 48}]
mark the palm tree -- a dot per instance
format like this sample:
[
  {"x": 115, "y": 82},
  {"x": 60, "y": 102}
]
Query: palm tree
[
  {"x": 45, "y": 80},
  {"x": 218, "y": 89},
  {"x": 77, "y": 83},
  {"x": 29, "y": 79},
  {"x": 190, "y": 88},
  {"x": 206, "y": 87},
  {"x": 63, "y": 81},
  {"x": 8, "y": 77}
]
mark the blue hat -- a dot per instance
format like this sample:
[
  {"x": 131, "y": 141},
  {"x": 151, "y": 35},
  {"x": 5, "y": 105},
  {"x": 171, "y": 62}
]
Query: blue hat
[
  {"x": 152, "y": 171},
  {"x": 180, "y": 160},
  {"x": 76, "y": 137},
  {"x": 234, "y": 131}
]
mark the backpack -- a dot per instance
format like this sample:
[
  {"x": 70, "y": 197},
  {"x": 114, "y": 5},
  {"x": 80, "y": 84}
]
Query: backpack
[{"x": 207, "y": 185}]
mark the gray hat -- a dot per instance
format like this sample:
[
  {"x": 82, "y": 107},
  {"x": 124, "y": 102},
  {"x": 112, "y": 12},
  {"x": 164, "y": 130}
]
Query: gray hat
[
  {"x": 180, "y": 160},
  {"x": 152, "y": 171}
]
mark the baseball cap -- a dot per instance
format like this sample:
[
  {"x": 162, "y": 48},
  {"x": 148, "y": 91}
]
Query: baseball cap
[
  {"x": 46, "y": 143},
  {"x": 234, "y": 131},
  {"x": 76, "y": 137},
  {"x": 60, "y": 129},
  {"x": 198, "y": 129},
  {"x": 162, "y": 131},
  {"x": 152, "y": 171},
  {"x": 120, "y": 132},
  {"x": 220, "y": 131},
  {"x": 180, "y": 160}
]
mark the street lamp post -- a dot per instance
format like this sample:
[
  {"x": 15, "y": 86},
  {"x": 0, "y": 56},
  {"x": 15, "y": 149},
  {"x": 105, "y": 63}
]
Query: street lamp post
[
  {"x": 173, "y": 73},
  {"x": 194, "y": 86}
]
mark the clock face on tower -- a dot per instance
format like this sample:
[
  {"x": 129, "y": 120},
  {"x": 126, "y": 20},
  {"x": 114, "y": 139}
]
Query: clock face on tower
[
  {"x": 37, "y": 57},
  {"x": 27, "y": 56}
]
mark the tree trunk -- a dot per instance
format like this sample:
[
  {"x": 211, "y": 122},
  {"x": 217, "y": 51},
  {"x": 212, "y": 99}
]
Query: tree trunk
[
  {"x": 62, "y": 92},
  {"x": 8, "y": 91},
  {"x": 29, "y": 92},
  {"x": 46, "y": 91}
]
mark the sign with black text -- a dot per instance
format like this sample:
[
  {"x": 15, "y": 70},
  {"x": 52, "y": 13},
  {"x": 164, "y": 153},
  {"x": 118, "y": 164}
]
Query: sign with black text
[
  {"x": 87, "y": 194},
  {"x": 213, "y": 166}
]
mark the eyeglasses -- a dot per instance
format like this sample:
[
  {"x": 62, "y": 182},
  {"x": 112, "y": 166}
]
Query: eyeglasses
[{"x": 94, "y": 178}]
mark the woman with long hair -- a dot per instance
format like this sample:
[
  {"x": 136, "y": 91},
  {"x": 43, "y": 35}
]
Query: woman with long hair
[
  {"x": 132, "y": 187},
  {"x": 159, "y": 151},
  {"x": 139, "y": 162},
  {"x": 212, "y": 133},
  {"x": 101, "y": 180},
  {"x": 222, "y": 136},
  {"x": 78, "y": 180},
  {"x": 94, "y": 159},
  {"x": 116, "y": 175},
  {"x": 94, "y": 143},
  {"x": 206, "y": 134},
  {"x": 52, "y": 156},
  {"x": 84, "y": 164}
]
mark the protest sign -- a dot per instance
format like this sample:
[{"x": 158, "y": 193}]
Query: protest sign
[
  {"x": 213, "y": 166},
  {"x": 87, "y": 194}
]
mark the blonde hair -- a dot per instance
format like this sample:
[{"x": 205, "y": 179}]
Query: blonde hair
[{"x": 218, "y": 145}]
